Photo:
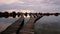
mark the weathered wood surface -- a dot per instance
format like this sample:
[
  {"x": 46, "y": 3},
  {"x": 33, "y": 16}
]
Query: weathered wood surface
[
  {"x": 29, "y": 27},
  {"x": 13, "y": 27}
]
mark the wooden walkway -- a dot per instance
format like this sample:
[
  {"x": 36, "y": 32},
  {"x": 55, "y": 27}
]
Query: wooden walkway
[
  {"x": 29, "y": 27},
  {"x": 18, "y": 27}
]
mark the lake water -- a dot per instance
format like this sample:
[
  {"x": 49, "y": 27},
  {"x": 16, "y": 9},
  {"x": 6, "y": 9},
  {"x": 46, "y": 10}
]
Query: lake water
[
  {"x": 49, "y": 23},
  {"x": 45, "y": 20}
]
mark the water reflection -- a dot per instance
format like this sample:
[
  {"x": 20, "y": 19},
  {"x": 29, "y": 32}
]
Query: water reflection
[{"x": 48, "y": 25}]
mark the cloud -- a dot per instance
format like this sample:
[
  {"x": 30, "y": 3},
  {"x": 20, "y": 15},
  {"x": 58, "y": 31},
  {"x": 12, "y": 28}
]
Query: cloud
[
  {"x": 31, "y": 2},
  {"x": 38, "y": 5},
  {"x": 9, "y": 1},
  {"x": 52, "y": 2}
]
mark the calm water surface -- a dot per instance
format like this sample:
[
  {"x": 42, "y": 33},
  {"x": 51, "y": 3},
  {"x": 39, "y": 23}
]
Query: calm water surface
[{"x": 47, "y": 22}]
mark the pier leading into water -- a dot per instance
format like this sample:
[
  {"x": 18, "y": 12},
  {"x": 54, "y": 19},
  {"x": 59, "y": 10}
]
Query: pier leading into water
[{"x": 18, "y": 26}]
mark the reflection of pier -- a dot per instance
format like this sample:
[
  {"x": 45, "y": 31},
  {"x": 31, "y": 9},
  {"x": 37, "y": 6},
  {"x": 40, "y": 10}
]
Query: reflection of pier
[{"x": 18, "y": 26}]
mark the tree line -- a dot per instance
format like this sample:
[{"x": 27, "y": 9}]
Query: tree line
[{"x": 14, "y": 14}]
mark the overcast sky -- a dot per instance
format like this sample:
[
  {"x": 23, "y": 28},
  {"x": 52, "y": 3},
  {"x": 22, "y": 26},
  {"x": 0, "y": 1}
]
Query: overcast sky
[{"x": 37, "y": 5}]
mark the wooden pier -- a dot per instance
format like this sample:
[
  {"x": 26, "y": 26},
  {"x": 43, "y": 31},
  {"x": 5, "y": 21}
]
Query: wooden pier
[{"x": 18, "y": 26}]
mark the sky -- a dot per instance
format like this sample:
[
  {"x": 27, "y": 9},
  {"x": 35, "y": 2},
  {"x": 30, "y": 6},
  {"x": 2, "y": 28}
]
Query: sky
[{"x": 36, "y": 5}]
